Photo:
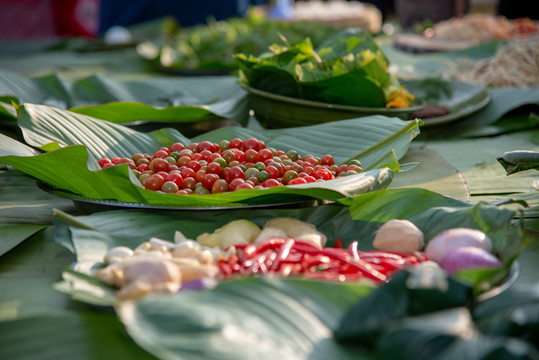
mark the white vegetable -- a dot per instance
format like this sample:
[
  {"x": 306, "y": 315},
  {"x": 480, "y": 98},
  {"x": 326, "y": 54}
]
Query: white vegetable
[
  {"x": 399, "y": 235},
  {"x": 161, "y": 245},
  {"x": 298, "y": 230},
  {"x": 143, "y": 275},
  {"x": 235, "y": 232},
  {"x": 468, "y": 257},
  {"x": 117, "y": 254},
  {"x": 270, "y": 233},
  {"x": 186, "y": 249},
  {"x": 438, "y": 247}
]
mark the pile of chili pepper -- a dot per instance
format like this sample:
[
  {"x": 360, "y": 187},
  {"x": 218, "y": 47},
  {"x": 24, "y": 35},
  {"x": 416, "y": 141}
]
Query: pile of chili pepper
[{"x": 290, "y": 257}]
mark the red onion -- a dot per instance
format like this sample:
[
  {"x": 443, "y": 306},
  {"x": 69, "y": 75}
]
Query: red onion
[{"x": 468, "y": 257}]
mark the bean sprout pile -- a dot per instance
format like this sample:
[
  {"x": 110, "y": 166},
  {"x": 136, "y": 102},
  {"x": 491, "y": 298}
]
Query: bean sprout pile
[{"x": 515, "y": 64}]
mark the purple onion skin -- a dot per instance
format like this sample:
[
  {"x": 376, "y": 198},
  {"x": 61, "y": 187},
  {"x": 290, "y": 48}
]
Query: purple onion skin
[
  {"x": 468, "y": 257},
  {"x": 199, "y": 284},
  {"x": 438, "y": 247}
]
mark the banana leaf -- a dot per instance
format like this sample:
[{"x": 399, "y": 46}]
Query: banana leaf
[
  {"x": 73, "y": 168},
  {"x": 151, "y": 99},
  {"x": 24, "y": 209}
]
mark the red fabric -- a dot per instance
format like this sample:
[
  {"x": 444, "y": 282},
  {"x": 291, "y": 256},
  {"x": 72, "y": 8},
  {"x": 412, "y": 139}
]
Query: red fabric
[
  {"x": 70, "y": 20},
  {"x": 38, "y": 19},
  {"x": 26, "y": 19}
]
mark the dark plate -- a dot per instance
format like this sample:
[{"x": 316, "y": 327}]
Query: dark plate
[
  {"x": 89, "y": 206},
  {"x": 463, "y": 100},
  {"x": 514, "y": 271},
  {"x": 277, "y": 111}
]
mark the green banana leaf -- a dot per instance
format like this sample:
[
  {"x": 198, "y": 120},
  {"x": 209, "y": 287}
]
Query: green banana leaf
[
  {"x": 150, "y": 99},
  {"x": 73, "y": 168},
  {"x": 290, "y": 319},
  {"x": 24, "y": 209}
]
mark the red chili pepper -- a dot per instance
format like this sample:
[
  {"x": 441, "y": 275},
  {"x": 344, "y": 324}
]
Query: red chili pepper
[
  {"x": 382, "y": 254},
  {"x": 338, "y": 243},
  {"x": 352, "y": 249},
  {"x": 270, "y": 244},
  {"x": 284, "y": 251}
]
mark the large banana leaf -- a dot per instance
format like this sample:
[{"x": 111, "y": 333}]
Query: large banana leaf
[
  {"x": 66, "y": 167},
  {"x": 157, "y": 99},
  {"x": 24, "y": 209}
]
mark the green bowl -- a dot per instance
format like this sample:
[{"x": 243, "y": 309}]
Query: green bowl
[{"x": 276, "y": 111}]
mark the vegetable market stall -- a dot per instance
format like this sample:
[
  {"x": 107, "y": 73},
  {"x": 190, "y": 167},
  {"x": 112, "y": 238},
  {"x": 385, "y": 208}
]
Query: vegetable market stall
[{"x": 455, "y": 163}]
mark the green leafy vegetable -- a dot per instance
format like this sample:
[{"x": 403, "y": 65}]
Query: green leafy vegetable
[
  {"x": 212, "y": 46},
  {"x": 348, "y": 69}
]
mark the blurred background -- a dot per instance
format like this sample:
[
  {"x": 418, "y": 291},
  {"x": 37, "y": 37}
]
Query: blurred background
[{"x": 91, "y": 18}]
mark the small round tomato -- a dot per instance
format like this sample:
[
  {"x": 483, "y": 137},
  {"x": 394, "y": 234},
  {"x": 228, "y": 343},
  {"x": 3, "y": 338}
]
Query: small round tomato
[
  {"x": 323, "y": 174},
  {"x": 176, "y": 147},
  {"x": 228, "y": 155},
  {"x": 103, "y": 161},
  {"x": 143, "y": 167},
  {"x": 297, "y": 181},
  {"x": 195, "y": 165},
  {"x": 208, "y": 180},
  {"x": 292, "y": 155},
  {"x": 159, "y": 164},
  {"x": 270, "y": 183},
  {"x": 176, "y": 178},
  {"x": 197, "y": 157},
  {"x": 115, "y": 160},
  {"x": 233, "y": 185},
  {"x": 251, "y": 155},
  {"x": 160, "y": 154},
  {"x": 272, "y": 172},
  {"x": 189, "y": 183},
  {"x": 224, "y": 145},
  {"x": 183, "y": 160},
  {"x": 235, "y": 143},
  {"x": 251, "y": 143},
  {"x": 327, "y": 160},
  {"x": 240, "y": 156},
  {"x": 219, "y": 186},
  {"x": 204, "y": 145},
  {"x": 235, "y": 173},
  {"x": 142, "y": 161},
  {"x": 143, "y": 177},
  {"x": 192, "y": 146},
  {"x": 264, "y": 154},
  {"x": 170, "y": 187},
  {"x": 289, "y": 176},
  {"x": 263, "y": 176},
  {"x": 199, "y": 176},
  {"x": 214, "y": 168},
  {"x": 244, "y": 185},
  {"x": 154, "y": 182},
  {"x": 186, "y": 172},
  {"x": 213, "y": 156}
]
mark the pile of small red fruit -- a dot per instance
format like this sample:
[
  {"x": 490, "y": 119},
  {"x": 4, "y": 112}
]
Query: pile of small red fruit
[{"x": 206, "y": 167}]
